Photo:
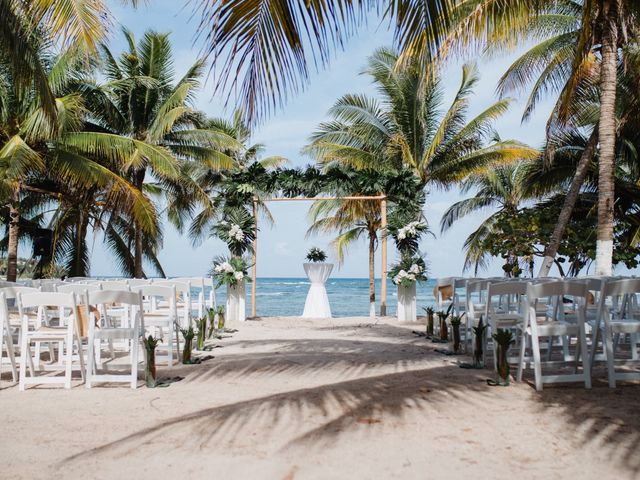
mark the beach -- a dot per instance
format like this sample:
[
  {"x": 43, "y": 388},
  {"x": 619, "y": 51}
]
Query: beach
[{"x": 291, "y": 398}]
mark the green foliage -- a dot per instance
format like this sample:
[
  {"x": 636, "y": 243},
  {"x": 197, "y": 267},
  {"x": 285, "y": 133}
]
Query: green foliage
[
  {"x": 316, "y": 255},
  {"x": 504, "y": 337},
  {"x": 236, "y": 230}
]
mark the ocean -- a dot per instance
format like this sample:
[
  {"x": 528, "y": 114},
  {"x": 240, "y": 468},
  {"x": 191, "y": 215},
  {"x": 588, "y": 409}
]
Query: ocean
[{"x": 347, "y": 296}]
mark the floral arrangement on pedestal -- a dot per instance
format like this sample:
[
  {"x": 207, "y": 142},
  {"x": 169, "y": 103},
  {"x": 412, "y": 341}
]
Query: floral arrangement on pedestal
[
  {"x": 408, "y": 271},
  {"x": 230, "y": 271}
]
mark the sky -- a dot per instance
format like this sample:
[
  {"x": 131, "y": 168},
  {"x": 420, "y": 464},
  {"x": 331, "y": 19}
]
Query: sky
[{"x": 283, "y": 246}]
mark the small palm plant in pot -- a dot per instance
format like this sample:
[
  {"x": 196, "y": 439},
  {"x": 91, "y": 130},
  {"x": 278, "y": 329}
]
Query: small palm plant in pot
[
  {"x": 478, "y": 344},
  {"x": 150, "y": 343},
  {"x": 201, "y": 334},
  {"x": 430, "y": 313},
  {"x": 187, "y": 334},
  {"x": 316, "y": 255},
  {"x": 455, "y": 321},
  {"x": 504, "y": 340},
  {"x": 220, "y": 312},
  {"x": 211, "y": 314},
  {"x": 444, "y": 331}
]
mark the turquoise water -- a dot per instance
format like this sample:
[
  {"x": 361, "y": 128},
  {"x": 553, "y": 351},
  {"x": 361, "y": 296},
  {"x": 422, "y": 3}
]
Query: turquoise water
[{"x": 347, "y": 296}]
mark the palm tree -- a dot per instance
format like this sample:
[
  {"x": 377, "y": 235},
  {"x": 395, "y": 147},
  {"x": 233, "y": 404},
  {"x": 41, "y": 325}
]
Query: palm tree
[
  {"x": 25, "y": 24},
  {"x": 503, "y": 190},
  {"x": 141, "y": 111},
  {"x": 236, "y": 188},
  {"x": 352, "y": 220},
  {"x": 273, "y": 44},
  {"x": 404, "y": 128},
  {"x": 33, "y": 146},
  {"x": 605, "y": 25}
]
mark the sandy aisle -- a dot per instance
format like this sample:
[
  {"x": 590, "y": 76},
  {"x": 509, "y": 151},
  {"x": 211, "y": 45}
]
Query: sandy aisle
[{"x": 297, "y": 399}]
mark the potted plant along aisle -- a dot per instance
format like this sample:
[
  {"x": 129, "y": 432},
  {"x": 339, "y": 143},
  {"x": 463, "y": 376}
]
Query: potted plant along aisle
[
  {"x": 318, "y": 271},
  {"x": 405, "y": 275},
  {"x": 233, "y": 273}
]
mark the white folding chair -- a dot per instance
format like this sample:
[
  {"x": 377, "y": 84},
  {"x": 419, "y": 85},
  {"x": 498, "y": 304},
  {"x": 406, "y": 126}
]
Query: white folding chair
[
  {"x": 618, "y": 318},
  {"x": 183, "y": 300},
  {"x": 6, "y": 339},
  {"x": 14, "y": 321},
  {"x": 162, "y": 319},
  {"x": 67, "y": 335},
  {"x": 133, "y": 302},
  {"x": 553, "y": 325},
  {"x": 503, "y": 309},
  {"x": 475, "y": 293}
]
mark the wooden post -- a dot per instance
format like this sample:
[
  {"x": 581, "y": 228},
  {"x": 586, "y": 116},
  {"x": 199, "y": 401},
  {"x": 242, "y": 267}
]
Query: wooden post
[
  {"x": 383, "y": 269},
  {"x": 254, "y": 268}
]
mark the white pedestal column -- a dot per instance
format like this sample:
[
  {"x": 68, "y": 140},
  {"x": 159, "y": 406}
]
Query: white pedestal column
[
  {"x": 407, "y": 303},
  {"x": 317, "y": 303},
  {"x": 235, "y": 307}
]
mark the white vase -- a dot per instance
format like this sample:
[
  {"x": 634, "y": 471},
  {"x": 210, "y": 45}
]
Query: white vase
[
  {"x": 235, "y": 306},
  {"x": 317, "y": 303},
  {"x": 407, "y": 303}
]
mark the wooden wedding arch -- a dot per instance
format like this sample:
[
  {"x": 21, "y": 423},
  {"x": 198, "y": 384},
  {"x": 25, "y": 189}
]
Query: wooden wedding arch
[{"x": 383, "y": 227}]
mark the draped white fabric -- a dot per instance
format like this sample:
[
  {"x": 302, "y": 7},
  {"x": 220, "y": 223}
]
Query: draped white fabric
[
  {"x": 317, "y": 303},
  {"x": 407, "y": 303},
  {"x": 235, "y": 308}
]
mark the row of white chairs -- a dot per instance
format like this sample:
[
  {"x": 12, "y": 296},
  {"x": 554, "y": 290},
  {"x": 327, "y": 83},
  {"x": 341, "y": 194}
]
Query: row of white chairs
[
  {"x": 81, "y": 313},
  {"x": 594, "y": 315}
]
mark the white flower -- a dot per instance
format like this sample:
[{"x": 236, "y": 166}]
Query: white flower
[
  {"x": 415, "y": 268},
  {"x": 411, "y": 277},
  {"x": 239, "y": 275},
  {"x": 401, "y": 234},
  {"x": 397, "y": 280},
  {"x": 226, "y": 267},
  {"x": 402, "y": 274},
  {"x": 236, "y": 232},
  {"x": 218, "y": 268}
]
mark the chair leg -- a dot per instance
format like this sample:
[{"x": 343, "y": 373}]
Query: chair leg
[
  {"x": 537, "y": 367},
  {"x": 586, "y": 362},
  {"x": 91, "y": 362},
  {"x": 69, "y": 361},
  {"x": 611, "y": 370},
  {"x": 134, "y": 359},
  {"x": 523, "y": 349},
  {"x": 24, "y": 353}
]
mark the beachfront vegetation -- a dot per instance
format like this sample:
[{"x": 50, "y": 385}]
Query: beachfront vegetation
[{"x": 96, "y": 142}]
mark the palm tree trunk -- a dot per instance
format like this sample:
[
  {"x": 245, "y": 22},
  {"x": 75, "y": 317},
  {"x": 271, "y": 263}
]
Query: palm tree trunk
[
  {"x": 607, "y": 138},
  {"x": 570, "y": 200},
  {"x": 138, "y": 272},
  {"x": 12, "y": 248},
  {"x": 78, "y": 269},
  {"x": 372, "y": 274}
]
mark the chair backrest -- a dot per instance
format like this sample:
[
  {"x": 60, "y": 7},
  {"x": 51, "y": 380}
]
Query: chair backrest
[
  {"x": 116, "y": 285},
  {"x": 11, "y": 293},
  {"x": 164, "y": 292},
  {"x": 77, "y": 288},
  {"x": 139, "y": 281},
  {"x": 115, "y": 296},
  {"x": 621, "y": 287},
  {"x": 505, "y": 288},
  {"x": 47, "y": 299},
  {"x": 7, "y": 284}
]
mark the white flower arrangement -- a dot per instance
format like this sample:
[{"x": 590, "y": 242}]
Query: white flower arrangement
[
  {"x": 230, "y": 271},
  {"x": 236, "y": 233},
  {"x": 408, "y": 271}
]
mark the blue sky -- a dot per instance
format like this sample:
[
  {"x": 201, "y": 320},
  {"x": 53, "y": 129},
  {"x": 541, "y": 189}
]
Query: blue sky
[{"x": 282, "y": 247}]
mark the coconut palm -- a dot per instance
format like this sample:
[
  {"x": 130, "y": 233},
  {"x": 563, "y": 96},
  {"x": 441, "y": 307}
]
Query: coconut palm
[
  {"x": 502, "y": 190},
  {"x": 150, "y": 119},
  {"x": 405, "y": 129},
  {"x": 78, "y": 23},
  {"x": 234, "y": 190},
  {"x": 352, "y": 220},
  {"x": 34, "y": 147},
  {"x": 605, "y": 25}
]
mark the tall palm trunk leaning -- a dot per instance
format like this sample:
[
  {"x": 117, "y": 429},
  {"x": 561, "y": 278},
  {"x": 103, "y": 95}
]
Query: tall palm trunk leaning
[
  {"x": 372, "y": 273},
  {"x": 14, "y": 230},
  {"x": 607, "y": 137},
  {"x": 570, "y": 200}
]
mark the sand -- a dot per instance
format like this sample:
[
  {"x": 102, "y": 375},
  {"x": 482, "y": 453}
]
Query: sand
[{"x": 290, "y": 398}]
